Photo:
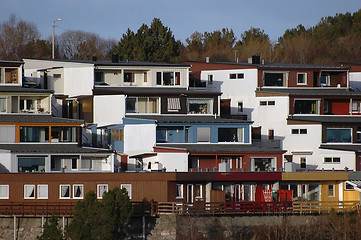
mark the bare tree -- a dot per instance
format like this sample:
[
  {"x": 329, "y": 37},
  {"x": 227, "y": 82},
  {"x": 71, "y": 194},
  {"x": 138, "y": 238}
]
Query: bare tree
[
  {"x": 77, "y": 44},
  {"x": 15, "y": 37}
]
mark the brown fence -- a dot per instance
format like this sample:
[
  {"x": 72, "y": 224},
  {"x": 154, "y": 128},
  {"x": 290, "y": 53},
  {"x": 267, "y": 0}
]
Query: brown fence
[{"x": 197, "y": 208}]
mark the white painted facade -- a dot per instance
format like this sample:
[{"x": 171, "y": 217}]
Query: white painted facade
[
  {"x": 238, "y": 90},
  {"x": 108, "y": 109},
  {"x": 169, "y": 161},
  {"x": 140, "y": 138}
]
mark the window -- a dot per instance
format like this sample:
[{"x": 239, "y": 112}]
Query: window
[
  {"x": 262, "y": 164},
  {"x": 198, "y": 191},
  {"x": 295, "y": 131},
  {"x": 239, "y": 162},
  {"x": 127, "y": 187},
  {"x": 179, "y": 191},
  {"x": 142, "y": 105},
  {"x": 299, "y": 131},
  {"x": 64, "y": 191},
  {"x": 34, "y": 134},
  {"x": 8, "y": 75},
  {"x": 349, "y": 186},
  {"x": 230, "y": 134},
  {"x": 301, "y": 78},
  {"x": 303, "y": 162},
  {"x": 240, "y": 107},
  {"x": 313, "y": 193},
  {"x": 78, "y": 191},
  {"x": 338, "y": 135},
  {"x": 210, "y": 79},
  {"x": 331, "y": 190},
  {"x": 74, "y": 163},
  {"x": 263, "y": 103},
  {"x": 27, "y": 105},
  {"x": 101, "y": 189},
  {"x": 161, "y": 135},
  {"x": 42, "y": 191},
  {"x": 4, "y": 191},
  {"x": 128, "y": 77},
  {"x": 31, "y": 164},
  {"x": 173, "y": 104},
  {"x": 29, "y": 191},
  {"x": 275, "y": 79},
  {"x": 332, "y": 159},
  {"x": 236, "y": 76},
  {"x": 63, "y": 134},
  {"x": 117, "y": 134},
  {"x": 168, "y": 78},
  {"x": 200, "y": 106},
  {"x": 57, "y": 75},
  {"x": 3, "y": 105},
  {"x": 86, "y": 163},
  {"x": 356, "y": 106},
  {"x": 306, "y": 106},
  {"x": 325, "y": 79},
  {"x": 203, "y": 134}
]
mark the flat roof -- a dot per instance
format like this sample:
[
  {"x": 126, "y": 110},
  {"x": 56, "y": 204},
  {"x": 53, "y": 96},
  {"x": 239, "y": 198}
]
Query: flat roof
[
  {"x": 189, "y": 119},
  {"x": 320, "y": 91},
  {"x": 101, "y": 89},
  {"x": 220, "y": 148},
  {"x": 327, "y": 118},
  {"x": 108, "y": 62},
  {"x": 36, "y": 118},
  {"x": 60, "y": 148}
]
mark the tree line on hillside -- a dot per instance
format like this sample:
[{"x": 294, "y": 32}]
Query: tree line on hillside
[{"x": 333, "y": 39}]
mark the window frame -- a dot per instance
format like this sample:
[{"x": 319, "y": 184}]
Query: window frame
[
  {"x": 60, "y": 191},
  {"x": 317, "y": 106},
  {"x": 209, "y": 102},
  {"x": 174, "y": 81},
  {"x": 148, "y": 103},
  {"x": 202, "y": 138},
  {"x": 80, "y": 186},
  {"x": 328, "y": 160},
  {"x": 39, "y": 191},
  {"x": 335, "y": 141},
  {"x": 200, "y": 187},
  {"x": 331, "y": 192},
  {"x": 179, "y": 194},
  {"x": 25, "y": 191},
  {"x": 304, "y": 82},
  {"x": 106, "y": 187},
  {"x": 6, "y": 191},
  {"x": 285, "y": 76},
  {"x": 127, "y": 186}
]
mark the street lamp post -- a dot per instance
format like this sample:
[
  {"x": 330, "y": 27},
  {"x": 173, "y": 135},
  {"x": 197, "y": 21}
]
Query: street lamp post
[{"x": 53, "y": 46}]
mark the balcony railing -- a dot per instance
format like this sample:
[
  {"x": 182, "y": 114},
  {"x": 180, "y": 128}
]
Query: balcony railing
[
  {"x": 266, "y": 143},
  {"x": 197, "y": 208}
]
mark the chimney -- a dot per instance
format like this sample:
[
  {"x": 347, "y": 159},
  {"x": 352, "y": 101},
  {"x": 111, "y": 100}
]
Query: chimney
[
  {"x": 256, "y": 59},
  {"x": 207, "y": 59},
  {"x": 115, "y": 58}
]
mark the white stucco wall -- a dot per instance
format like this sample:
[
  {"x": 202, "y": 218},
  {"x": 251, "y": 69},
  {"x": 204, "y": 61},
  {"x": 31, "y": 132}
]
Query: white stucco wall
[
  {"x": 139, "y": 138},
  {"x": 78, "y": 81},
  {"x": 238, "y": 90},
  {"x": 171, "y": 161},
  {"x": 109, "y": 109}
]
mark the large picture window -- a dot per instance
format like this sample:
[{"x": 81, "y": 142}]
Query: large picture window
[
  {"x": 200, "y": 106},
  {"x": 142, "y": 105},
  {"x": 31, "y": 164},
  {"x": 339, "y": 135},
  {"x": 230, "y": 134},
  {"x": 275, "y": 79},
  {"x": 168, "y": 78},
  {"x": 34, "y": 134},
  {"x": 307, "y": 106},
  {"x": 8, "y": 75},
  {"x": 263, "y": 164}
]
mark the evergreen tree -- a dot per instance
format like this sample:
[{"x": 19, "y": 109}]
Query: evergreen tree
[
  {"x": 51, "y": 230},
  {"x": 153, "y": 44},
  {"x": 101, "y": 220}
]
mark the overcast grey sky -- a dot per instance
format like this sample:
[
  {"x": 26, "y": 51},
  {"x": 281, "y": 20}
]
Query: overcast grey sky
[{"x": 111, "y": 18}]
